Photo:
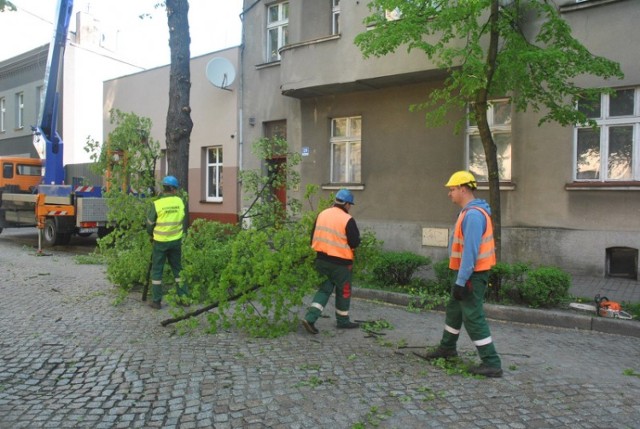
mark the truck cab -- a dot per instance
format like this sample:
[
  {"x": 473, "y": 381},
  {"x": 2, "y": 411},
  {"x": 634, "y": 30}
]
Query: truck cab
[{"x": 20, "y": 175}]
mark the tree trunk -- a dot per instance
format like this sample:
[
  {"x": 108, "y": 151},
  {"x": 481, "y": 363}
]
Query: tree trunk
[
  {"x": 179, "y": 124},
  {"x": 480, "y": 110}
]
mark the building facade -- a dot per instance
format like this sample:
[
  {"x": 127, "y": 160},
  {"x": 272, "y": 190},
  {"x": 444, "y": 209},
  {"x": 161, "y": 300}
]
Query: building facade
[
  {"x": 213, "y": 149},
  {"x": 87, "y": 62},
  {"x": 569, "y": 195}
]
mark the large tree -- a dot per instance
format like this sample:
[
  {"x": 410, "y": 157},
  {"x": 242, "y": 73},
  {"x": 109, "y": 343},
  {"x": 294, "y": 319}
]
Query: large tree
[
  {"x": 6, "y": 5},
  {"x": 179, "y": 123},
  {"x": 522, "y": 49}
]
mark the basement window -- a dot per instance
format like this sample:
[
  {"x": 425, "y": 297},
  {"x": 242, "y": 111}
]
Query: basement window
[{"x": 622, "y": 262}]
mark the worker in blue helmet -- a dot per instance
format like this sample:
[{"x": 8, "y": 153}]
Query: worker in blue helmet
[
  {"x": 335, "y": 236},
  {"x": 165, "y": 223}
]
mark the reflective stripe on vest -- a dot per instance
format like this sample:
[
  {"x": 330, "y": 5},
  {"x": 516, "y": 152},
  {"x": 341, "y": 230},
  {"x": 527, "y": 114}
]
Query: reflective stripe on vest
[
  {"x": 170, "y": 212},
  {"x": 487, "y": 251},
  {"x": 330, "y": 235}
]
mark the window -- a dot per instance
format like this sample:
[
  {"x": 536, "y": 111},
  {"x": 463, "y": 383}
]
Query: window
[
  {"x": 214, "y": 174},
  {"x": 7, "y": 170},
  {"x": 20, "y": 110},
  {"x": 335, "y": 17},
  {"x": 28, "y": 170},
  {"x": 393, "y": 15},
  {"x": 3, "y": 114},
  {"x": 499, "y": 117},
  {"x": 277, "y": 29},
  {"x": 39, "y": 100},
  {"x": 345, "y": 150},
  {"x": 607, "y": 152}
]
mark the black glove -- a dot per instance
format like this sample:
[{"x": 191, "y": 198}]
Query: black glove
[{"x": 460, "y": 292}]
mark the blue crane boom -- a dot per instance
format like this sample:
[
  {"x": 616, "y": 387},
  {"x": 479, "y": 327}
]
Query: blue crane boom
[{"x": 47, "y": 127}]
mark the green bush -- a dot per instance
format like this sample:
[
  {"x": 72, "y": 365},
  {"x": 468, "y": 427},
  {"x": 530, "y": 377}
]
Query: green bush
[
  {"x": 545, "y": 287},
  {"x": 398, "y": 268},
  {"x": 365, "y": 258},
  {"x": 443, "y": 278},
  {"x": 504, "y": 279}
]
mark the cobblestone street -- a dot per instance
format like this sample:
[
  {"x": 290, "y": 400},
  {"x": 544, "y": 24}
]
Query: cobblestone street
[{"x": 69, "y": 358}]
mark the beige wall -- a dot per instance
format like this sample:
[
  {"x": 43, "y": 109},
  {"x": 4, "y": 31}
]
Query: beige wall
[{"x": 214, "y": 114}]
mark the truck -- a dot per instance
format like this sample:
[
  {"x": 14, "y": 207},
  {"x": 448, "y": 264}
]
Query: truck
[{"x": 33, "y": 192}]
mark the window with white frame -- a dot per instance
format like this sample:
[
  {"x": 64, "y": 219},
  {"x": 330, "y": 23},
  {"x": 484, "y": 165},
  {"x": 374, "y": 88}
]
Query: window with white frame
[
  {"x": 213, "y": 179},
  {"x": 606, "y": 153},
  {"x": 277, "y": 29},
  {"x": 346, "y": 144},
  {"x": 3, "y": 114},
  {"x": 20, "y": 110},
  {"x": 335, "y": 17},
  {"x": 499, "y": 118},
  {"x": 39, "y": 100}
]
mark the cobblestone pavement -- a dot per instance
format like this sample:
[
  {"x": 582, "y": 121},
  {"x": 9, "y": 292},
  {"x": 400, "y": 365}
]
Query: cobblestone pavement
[{"x": 71, "y": 359}]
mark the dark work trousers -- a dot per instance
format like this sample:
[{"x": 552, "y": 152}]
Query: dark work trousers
[
  {"x": 470, "y": 313},
  {"x": 170, "y": 251},
  {"x": 338, "y": 278}
]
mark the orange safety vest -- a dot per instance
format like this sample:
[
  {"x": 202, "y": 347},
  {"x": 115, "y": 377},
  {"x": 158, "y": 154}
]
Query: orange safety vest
[
  {"x": 330, "y": 235},
  {"x": 487, "y": 252}
]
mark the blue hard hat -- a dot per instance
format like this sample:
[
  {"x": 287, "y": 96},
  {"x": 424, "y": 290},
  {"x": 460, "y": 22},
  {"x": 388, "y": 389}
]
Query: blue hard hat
[
  {"x": 170, "y": 181},
  {"x": 344, "y": 196}
]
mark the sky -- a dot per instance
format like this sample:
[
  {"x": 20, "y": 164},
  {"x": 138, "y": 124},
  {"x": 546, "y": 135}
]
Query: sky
[{"x": 213, "y": 24}]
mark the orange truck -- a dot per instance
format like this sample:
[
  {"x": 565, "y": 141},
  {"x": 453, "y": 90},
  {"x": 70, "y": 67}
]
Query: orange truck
[
  {"x": 20, "y": 175},
  {"x": 60, "y": 211}
]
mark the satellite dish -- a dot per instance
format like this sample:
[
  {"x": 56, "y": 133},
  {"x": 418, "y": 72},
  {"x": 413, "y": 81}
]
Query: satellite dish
[{"x": 220, "y": 72}]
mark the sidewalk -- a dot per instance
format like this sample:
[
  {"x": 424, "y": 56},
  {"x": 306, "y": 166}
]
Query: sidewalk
[
  {"x": 616, "y": 289},
  {"x": 620, "y": 290}
]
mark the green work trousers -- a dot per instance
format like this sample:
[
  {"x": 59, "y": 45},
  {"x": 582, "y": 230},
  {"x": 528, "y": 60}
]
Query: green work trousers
[
  {"x": 470, "y": 313},
  {"x": 338, "y": 277},
  {"x": 170, "y": 251}
]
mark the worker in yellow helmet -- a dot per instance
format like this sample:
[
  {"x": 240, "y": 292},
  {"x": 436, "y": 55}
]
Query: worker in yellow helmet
[{"x": 472, "y": 254}]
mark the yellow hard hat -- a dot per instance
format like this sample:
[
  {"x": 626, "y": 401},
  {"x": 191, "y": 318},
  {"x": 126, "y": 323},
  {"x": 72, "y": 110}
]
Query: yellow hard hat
[{"x": 462, "y": 178}]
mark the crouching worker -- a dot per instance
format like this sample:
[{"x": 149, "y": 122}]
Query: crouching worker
[
  {"x": 472, "y": 254},
  {"x": 335, "y": 236},
  {"x": 165, "y": 223}
]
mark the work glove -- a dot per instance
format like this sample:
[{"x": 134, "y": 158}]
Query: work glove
[{"x": 460, "y": 292}]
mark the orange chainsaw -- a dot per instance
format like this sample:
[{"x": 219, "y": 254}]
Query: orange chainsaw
[{"x": 603, "y": 308}]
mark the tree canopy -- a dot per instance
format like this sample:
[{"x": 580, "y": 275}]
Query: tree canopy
[
  {"x": 6, "y": 5},
  {"x": 520, "y": 49}
]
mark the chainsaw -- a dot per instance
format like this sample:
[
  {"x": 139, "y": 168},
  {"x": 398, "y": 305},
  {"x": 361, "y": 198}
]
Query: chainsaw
[{"x": 603, "y": 308}]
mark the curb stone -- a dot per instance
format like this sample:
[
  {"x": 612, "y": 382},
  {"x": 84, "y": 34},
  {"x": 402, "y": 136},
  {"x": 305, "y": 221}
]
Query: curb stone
[{"x": 560, "y": 319}]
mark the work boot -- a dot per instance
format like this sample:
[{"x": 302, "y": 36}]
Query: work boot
[
  {"x": 441, "y": 352},
  {"x": 486, "y": 370},
  {"x": 309, "y": 326},
  {"x": 348, "y": 325},
  {"x": 156, "y": 305}
]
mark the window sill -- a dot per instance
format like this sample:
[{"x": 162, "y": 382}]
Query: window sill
[
  {"x": 267, "y": 65},
  {"x": 603, "y": 186},
  {"x": 210, "y": 202},
  {"x": 338, "y": 186},
  {"x": 504, "y": 186},
  {"x": 310, "y": 42},
  {"x": 584, "y": 5}
]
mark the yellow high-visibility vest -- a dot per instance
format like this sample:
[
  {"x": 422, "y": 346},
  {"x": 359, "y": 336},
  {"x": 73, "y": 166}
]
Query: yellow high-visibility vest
[{"x": 169, "y": 224}]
